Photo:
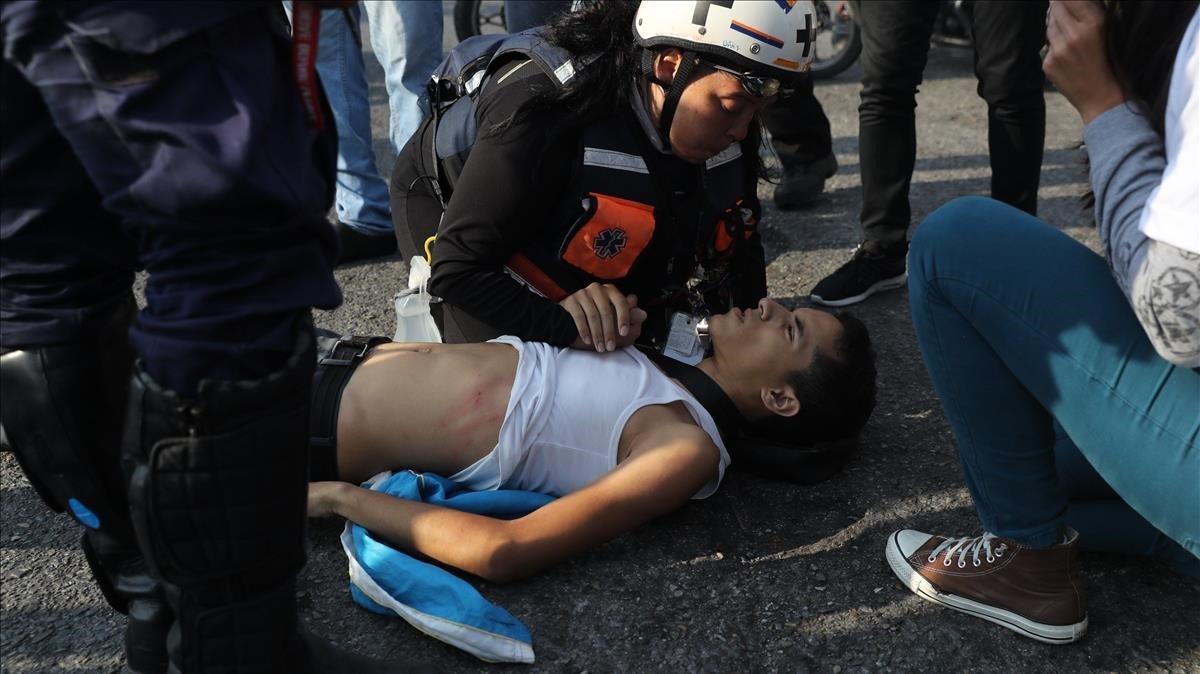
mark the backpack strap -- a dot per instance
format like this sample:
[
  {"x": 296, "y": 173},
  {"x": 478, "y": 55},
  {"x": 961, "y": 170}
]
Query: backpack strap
[
  {"x": 457, "y": 81},
  {"x": 763, "y": 456},
  {"x": 707, "y": 392}
]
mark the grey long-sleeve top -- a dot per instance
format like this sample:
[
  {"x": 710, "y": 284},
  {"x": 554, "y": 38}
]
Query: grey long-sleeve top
[{"x": 1161, "y": 281}]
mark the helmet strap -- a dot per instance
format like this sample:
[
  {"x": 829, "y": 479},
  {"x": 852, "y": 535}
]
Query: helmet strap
[{"x": 673, "y": 92}]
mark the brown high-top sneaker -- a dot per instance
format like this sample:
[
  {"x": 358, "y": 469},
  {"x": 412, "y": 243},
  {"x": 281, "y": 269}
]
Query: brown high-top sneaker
[{"x": 1034, "y": 593}]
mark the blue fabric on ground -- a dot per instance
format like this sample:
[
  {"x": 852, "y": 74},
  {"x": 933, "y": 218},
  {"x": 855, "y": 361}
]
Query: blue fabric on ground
[{"x": 387, "y": 581}]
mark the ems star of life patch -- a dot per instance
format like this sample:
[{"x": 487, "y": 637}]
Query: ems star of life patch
[{"x": 609, "y": 243}]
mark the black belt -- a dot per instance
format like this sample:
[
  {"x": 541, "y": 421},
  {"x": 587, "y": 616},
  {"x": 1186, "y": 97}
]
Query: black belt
[{"x": 334, "y": 369}]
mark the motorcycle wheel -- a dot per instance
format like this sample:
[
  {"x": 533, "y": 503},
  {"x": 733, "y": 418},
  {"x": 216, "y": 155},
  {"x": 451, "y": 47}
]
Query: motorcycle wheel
[
  {"x": 839, "y": 39},
  {"x": 477, "y": 17}
]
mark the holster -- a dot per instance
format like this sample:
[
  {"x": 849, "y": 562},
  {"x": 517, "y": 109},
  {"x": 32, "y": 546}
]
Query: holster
[
  {"x": 63, "y": 411},
  {"x": 218, "y": 494}
]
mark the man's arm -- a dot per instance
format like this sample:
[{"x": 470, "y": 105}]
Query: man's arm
[{"x": 667, "y": 465}]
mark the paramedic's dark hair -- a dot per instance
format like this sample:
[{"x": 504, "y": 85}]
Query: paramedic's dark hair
[
  {"x": 602, "y": 31},
  {"x": 836, "y": 393}
]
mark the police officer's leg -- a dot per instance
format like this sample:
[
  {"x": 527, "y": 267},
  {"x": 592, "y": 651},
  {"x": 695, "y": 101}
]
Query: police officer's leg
[
  {"x": 65, "y": 272},
  {"x": 197, "y": 141},
  {"x": 1008, "y": 42}
]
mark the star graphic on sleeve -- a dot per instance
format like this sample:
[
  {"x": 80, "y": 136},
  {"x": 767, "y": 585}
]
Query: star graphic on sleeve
[{"x": 1181, "y": 285}]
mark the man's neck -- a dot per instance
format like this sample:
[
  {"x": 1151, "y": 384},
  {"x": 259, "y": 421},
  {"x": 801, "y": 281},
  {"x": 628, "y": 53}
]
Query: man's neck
[{"x": 745, "y": 402}]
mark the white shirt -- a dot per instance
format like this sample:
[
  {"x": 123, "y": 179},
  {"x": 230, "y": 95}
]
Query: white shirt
[
  {"x": 1172, "y": 213},
  {"x": 566, "y": 413}
]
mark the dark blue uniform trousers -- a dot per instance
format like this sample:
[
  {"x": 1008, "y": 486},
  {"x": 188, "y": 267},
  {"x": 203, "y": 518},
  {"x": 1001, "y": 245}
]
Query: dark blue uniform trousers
[{"x": 169, "y": 137}]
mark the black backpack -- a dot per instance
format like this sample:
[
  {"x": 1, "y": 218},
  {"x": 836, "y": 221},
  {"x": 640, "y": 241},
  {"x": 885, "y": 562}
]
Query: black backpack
[{"x": 457, "y": 81}]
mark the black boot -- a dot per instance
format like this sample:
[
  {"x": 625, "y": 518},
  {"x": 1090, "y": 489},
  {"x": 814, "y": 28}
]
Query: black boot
[
  {"x": 127, "y": 584},
  {"x": 63, "y": 410},
  {"x": 803, "y": 181},
  {"x": 218, "y": 489}
]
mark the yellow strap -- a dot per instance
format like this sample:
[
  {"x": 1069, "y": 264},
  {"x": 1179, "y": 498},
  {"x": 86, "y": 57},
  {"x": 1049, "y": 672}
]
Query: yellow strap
[{"x": 429, "y": 249}]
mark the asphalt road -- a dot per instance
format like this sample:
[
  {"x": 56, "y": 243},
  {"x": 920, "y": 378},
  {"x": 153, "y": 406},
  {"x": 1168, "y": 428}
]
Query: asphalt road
[{"x": 764, "y": 576}]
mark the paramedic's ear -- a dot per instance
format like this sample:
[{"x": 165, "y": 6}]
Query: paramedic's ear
[
  {"x": 781, "y": 401},
  {"x": 666, "y": 64}
]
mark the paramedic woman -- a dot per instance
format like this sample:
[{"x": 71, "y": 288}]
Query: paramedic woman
[{"x": 613, "y": 164}]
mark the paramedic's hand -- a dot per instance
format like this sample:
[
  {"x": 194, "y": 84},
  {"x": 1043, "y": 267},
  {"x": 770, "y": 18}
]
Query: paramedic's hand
[
  {"x": 1077, "y": 62},
  {"x": 606, "y": 318}
]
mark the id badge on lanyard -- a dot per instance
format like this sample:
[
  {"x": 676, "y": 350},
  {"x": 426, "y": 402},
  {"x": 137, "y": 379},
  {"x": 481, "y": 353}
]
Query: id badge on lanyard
[{"x": 683, "y": 340}]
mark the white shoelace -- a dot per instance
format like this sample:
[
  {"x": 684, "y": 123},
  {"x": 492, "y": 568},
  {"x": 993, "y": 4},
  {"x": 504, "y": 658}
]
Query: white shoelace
[{"x": 969, "y": 544}]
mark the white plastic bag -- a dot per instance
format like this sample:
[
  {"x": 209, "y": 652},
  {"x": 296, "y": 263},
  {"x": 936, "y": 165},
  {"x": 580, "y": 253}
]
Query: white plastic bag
[{"x": 414, "y": 323}]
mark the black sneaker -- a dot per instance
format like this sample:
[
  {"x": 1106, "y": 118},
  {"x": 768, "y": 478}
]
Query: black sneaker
[
  {"x": 356, "y": 246},
  {"x": 803, "y": 183},
  {"x": 862, "y": 276}
]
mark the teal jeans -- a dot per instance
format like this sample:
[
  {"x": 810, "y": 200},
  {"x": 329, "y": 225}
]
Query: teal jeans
[{"x": 1063, "y": 412}]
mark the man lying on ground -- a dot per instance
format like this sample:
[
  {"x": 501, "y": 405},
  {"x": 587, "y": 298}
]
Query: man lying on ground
[{"x": 614, "y": 437}]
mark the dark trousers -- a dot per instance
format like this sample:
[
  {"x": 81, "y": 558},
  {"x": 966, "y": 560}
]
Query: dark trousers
[
  {"x": 169, "y": 137},
  {"x": 799, "y": 128},
  {"x": 1008, "y": 37}
]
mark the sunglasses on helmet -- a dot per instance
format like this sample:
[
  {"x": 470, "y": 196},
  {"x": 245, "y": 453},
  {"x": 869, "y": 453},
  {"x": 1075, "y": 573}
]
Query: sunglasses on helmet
[{"x": 759, "y": 86}]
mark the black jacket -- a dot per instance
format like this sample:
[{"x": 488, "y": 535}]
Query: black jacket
[{"x": 525, "y": 190}]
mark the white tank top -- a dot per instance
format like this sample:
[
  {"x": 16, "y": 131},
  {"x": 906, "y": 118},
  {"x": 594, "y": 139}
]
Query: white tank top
[{"x": 565, "y": 416}]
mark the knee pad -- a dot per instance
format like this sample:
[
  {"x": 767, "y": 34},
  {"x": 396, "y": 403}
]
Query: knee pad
[
  {"x": 64, "y": 410},
  {"x": 218, "y": 483},
  {"x": 217, "y": 491},
  {"x": 62, "y": 414}
]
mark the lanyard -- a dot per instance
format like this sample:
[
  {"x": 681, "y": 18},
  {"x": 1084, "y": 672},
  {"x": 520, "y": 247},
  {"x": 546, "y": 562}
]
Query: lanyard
[{"x": 306, "y": 25}]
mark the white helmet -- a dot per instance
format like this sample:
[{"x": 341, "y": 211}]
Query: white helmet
[{"x": 769, "y": 38}]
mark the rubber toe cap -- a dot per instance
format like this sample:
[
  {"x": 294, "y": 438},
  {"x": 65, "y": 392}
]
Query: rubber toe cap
[{"x": 909, "y": 541}]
